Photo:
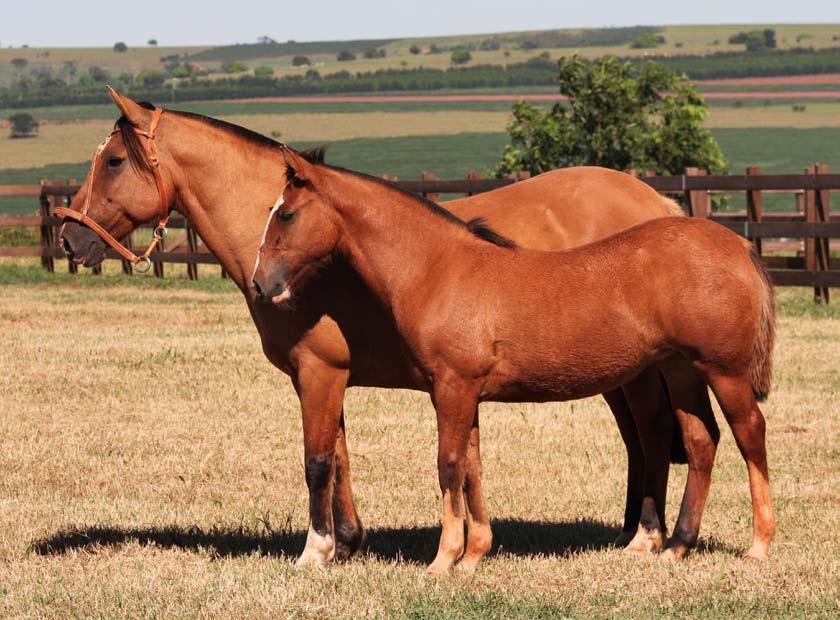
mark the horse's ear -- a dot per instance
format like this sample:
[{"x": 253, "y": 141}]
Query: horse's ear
[
  {"x": 296, "y": 166},
  {"x": 134, "y": 112}
]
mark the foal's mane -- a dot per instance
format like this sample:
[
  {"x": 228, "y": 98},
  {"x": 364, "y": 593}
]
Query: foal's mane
[{"x": 477, "y": 226}]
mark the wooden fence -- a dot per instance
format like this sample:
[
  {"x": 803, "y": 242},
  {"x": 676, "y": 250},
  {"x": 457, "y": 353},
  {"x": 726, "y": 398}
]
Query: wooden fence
[{"x": 801, "y": 258}]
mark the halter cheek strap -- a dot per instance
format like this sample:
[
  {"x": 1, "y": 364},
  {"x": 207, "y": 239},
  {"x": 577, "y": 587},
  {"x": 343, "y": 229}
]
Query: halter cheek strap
[{"x": 82, "y": 217}]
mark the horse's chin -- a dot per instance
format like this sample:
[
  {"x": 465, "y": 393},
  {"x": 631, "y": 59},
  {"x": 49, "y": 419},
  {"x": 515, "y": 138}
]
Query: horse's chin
[{"x": 94, "y": 257}]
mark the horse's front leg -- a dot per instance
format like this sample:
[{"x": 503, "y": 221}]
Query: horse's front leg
[
  {"x": 455, "y": 404},
  {"x": 349, "y": 533},
  {"x": 321, "y": 392}
]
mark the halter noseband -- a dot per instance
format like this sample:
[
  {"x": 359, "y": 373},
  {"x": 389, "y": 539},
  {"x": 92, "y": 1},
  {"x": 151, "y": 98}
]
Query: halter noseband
[{"x": 160, "y": 230}]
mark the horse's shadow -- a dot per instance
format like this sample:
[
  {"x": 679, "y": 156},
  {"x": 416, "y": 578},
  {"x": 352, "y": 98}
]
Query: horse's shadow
[{"x": 412, "y": 544}]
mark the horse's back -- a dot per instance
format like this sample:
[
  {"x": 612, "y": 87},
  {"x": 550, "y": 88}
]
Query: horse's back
[{"x": 566, "y": 208}]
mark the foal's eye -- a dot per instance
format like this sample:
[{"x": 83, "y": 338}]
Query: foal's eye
[
  {"x": 286, "y": 216},
  {"x": 115, "y": 162}
]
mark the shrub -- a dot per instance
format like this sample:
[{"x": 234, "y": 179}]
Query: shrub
[
  {"x": 233, "y": 67},
  {"x": 647, "y": 41},
  {"x": 615, "y": 117},
  {"x": 312, "y": 74},
  {"x": 414, "y": 49},
  {"x": 263, "y": 71},
  {"x": 529, "y": 45},
  {"x": 182, "y": 71},
  {"x": 344, "y": 55},
  {"x": 460, "y": 56},
  {"x": 799, "y": 107},
  {"x": 19, "y": 63},
  {"x": 98, "y": 74},
  {"x": 373, "y": 52},
  {"x": 434, "y": 49},
  {"x": 300, "y": 61},
  {"x": 489, "y": 45},
  {"x": 151, "y": 78},
  {"x": 151, "y": 42},
  {"x": 120, "y": 47},
  {"x": 755, "y": 40},
  {"x": 23, "y": 125}
]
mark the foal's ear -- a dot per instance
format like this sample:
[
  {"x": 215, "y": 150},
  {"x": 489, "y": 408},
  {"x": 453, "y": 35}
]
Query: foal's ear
[
  {"x": 296, "y": 166},
  {"x": 133, "y": 111}
]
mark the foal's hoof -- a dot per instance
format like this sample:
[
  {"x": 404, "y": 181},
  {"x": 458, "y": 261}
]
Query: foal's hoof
[
  {"x": 757, "y": 554},
  {"x": 624, "y": 539}
]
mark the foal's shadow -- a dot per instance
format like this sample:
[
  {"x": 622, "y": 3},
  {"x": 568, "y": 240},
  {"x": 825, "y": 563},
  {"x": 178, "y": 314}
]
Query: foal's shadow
[{"x": 513, "y": 536}]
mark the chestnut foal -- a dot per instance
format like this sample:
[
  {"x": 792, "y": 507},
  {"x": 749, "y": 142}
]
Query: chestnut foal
[{"x": 483, "y": 320}]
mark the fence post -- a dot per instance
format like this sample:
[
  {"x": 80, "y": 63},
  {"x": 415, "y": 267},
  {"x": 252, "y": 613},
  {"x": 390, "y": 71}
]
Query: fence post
[
  {"x": 47, "y": 237},
  {"x": 811, "y": 260},
  {"x": 822, "y": 213},
  {"x": 472, "y": 176},
  {"x": 698, "y": 201},
  {"x": 428, "y": 176},
  {"x": 754, "y": 204},
  {"x": 192, "y": 246}
]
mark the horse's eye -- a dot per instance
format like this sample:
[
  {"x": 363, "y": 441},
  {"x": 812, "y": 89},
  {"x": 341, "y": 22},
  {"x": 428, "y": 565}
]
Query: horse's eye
[
  {"x": 115, "y": 162},
  {"x": 286, "y": 216}
]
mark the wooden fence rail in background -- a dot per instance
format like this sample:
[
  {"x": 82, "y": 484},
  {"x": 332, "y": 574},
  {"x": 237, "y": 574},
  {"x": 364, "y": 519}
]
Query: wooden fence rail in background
[{"x": 805, "y": 231}]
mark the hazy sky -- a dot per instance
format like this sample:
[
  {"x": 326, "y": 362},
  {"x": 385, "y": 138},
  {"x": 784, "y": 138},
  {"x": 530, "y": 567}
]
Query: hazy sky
[{"x": 173, "y": 22}]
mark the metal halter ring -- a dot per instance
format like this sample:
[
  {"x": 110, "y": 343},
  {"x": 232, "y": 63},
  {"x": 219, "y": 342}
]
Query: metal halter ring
[
  {"x": 147, "y": 264},
  {"x": 160, "y": 232}
]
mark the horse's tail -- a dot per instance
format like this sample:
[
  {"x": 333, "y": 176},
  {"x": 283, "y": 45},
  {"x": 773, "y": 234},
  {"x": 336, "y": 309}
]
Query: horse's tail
[{"x": 761, "y": 364}]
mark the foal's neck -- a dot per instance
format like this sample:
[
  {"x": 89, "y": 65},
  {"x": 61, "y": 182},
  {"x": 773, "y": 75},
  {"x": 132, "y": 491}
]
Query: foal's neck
[
  {"x": 225, "y": 188},
  {"x": 397, "y": 244}
]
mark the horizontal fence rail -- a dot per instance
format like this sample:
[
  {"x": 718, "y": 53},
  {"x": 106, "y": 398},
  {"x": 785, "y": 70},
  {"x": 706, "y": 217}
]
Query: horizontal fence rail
[{"x": 806, "y": 231}]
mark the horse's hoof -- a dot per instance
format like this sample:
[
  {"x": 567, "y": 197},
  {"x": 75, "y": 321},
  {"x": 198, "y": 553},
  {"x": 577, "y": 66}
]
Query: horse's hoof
[
  {"x": 669, "y": 556},
  {"x": 757, "y": 554},
  {"x": 310, "y": 559},
  {"x": 646, "y": 543}
]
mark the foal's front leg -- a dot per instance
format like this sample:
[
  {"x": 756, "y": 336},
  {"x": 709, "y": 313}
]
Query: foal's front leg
[
  {"x": 321, "y": 392},
  {"x": 479, "y": 532},
  {"x": 455, "y": 404}
]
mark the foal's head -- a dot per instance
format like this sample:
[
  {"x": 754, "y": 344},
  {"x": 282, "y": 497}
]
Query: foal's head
[
  {"x": 120, "y": 190},
  {"x": 301, "y": 234}
]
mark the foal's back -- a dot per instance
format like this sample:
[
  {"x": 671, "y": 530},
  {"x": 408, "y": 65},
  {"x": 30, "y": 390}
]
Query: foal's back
[{"x": 561, "y": 325}]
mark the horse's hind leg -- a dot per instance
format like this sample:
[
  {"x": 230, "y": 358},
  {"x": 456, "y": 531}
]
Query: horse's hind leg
[
  {"x": 479, "y": 532},
  {"x": 690, "y": 401},
  {"x": 654, "y": 422},
  {"x": 635, "y": 465},
  {"x": 748, "y": 426}
]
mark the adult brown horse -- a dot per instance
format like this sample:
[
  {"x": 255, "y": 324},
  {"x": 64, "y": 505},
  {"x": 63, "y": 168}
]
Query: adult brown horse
[
  {"x": 215, "y": 172},
  {"x": 483, "y": 320}
]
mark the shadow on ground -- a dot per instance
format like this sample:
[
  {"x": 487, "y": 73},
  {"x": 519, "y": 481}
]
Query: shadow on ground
[
  {"x": 411, "y": 544},
  {"x": 512, "y": 536}
]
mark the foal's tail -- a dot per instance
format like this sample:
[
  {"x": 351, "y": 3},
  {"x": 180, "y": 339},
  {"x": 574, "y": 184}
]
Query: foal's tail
[{"x": 761, "y": 364}]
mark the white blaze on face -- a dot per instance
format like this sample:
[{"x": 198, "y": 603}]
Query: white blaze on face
[{"x": 277, "y": 205}]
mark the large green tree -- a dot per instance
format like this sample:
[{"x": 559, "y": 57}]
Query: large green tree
[{"x": 617, "y": 115}]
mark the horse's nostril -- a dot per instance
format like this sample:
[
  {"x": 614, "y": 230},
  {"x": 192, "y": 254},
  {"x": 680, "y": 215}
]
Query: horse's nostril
[
  {"x": 66, "y": 245},
  {"x": 258, "y": 290}
]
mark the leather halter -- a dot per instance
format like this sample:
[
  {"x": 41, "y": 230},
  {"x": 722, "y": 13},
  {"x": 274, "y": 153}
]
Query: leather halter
[{"x": 160, "y": 230}]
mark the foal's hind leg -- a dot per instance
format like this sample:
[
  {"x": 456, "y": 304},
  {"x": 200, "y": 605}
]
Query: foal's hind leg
[
  {"x": 635, "y": 465},
  {"x": 479, "y": 533},
  {"x": 690, "y": 400},
  {"x": 748, "y": 426},
  {"x": 654, "y": 422}
]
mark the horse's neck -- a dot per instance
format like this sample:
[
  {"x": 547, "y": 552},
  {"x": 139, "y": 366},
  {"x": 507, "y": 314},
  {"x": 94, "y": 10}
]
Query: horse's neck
[
  {"x": 226, "y": 192},
  {"x": 396, "y": 246}
]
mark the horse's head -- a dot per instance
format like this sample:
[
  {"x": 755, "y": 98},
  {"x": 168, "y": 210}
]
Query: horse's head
[
  {"x": 300, "y": 236},
  {"x": 125, "y": 186}
]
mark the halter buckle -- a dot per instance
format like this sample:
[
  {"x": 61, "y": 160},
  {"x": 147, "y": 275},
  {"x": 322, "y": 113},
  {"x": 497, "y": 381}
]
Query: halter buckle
[{"x": 147, "y": 264}]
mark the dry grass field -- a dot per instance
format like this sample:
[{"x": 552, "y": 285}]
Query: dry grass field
[{"x": 152, "y": 467}]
